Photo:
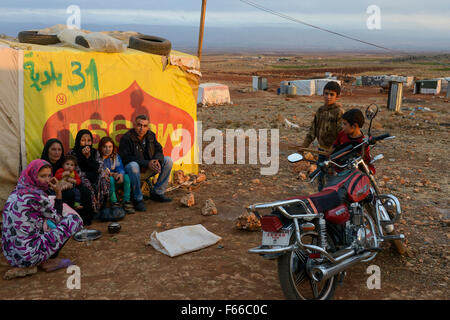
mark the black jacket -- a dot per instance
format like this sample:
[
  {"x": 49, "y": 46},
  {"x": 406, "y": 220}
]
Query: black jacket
[{"x": 132, "y": 149}]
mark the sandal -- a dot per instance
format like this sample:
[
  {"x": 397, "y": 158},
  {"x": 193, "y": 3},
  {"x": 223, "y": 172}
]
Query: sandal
[
  {"x": 128, "y": 207},
  {"x": 62, "y": 263}
]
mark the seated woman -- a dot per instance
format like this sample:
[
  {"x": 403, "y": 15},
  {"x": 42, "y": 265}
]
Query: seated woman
[
  {"x": 113, "y": 164},
  {"x": 34, "y": 231},
  {"x": 54, "y": 154},
  {"x": 90, "y": 169}
]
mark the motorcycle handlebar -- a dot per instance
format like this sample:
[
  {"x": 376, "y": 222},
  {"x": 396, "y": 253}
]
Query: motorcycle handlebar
[
  {"x": 372, "y": 141},
  {"x": 381, "y": 137},
  {"x": 334, "y": 155}
]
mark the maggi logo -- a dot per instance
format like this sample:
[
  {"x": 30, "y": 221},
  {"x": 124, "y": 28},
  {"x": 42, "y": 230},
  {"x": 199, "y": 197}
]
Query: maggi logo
[
  {"x": 117, "y": 128},
  {"x": 113, "y": 116}
]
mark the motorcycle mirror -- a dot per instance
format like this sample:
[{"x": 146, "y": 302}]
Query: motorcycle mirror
[
  {"x": 371, "y": 111},
  {"x": 295, "y": 157}
]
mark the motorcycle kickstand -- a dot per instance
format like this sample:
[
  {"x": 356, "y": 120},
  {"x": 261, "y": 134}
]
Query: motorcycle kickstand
[{"x": 341, "y": 277}]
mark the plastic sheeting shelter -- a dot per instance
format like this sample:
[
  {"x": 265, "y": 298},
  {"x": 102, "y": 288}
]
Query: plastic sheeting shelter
[
  {"x": 427, "y": 87},
  {"x": 54, "y": 91},
  {"x": 213, "y": 94},
  {"x": 304, "y": 87},
  {"x": 321, "y": 83}
]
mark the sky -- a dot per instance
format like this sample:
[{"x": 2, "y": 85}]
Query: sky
[{"x": 407, "y": 25}]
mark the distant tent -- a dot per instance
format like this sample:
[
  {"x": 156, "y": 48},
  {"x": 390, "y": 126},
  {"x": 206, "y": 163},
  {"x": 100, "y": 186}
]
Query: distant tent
[
  {"x": 427, "y": 87},
  {"x": 213, "y": 94}
]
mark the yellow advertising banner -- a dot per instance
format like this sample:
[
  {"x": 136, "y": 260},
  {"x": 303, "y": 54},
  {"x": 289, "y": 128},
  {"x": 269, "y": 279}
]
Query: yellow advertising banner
[{"x": 66, "y": 90}]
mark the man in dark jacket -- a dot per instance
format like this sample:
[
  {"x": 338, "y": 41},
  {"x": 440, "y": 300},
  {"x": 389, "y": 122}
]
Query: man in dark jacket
[{"x": 139, "y": 150}]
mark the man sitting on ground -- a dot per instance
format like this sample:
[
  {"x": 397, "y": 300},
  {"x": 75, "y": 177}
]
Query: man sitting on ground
[{"x": 139, "y": 150}]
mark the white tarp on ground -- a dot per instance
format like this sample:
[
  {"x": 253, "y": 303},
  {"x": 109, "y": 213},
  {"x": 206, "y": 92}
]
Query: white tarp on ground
[
  {"x": 213, "y": 94},
  {"x": 182, "y": 240},
  {"x": 321, "y": 83},
  {"x": 304, "y": 87}
]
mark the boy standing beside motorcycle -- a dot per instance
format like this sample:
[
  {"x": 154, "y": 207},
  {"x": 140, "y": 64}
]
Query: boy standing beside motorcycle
[{"x": 326, "y": 123}]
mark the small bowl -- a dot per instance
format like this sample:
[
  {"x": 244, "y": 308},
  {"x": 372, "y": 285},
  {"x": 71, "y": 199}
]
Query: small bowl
[
  {"x": 87, "y": 234},
  {"x": 114, "y": 227}
]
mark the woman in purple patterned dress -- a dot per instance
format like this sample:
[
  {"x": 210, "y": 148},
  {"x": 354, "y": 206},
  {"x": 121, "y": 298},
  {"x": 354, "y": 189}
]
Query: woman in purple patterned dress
[{"x": 28, "y": 239}]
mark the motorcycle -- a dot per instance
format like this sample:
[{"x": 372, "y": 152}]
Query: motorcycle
[{"x": 315, "y": 238}]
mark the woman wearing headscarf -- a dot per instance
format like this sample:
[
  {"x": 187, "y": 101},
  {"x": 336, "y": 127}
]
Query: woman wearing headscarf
[
  {"x": 90, "y": 168},
  {"x": 34, "y": 230},
  {"x": 53, "y": 153}
]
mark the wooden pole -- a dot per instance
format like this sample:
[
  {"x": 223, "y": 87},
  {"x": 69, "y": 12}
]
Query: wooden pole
[{"x": 200, "y": 35}]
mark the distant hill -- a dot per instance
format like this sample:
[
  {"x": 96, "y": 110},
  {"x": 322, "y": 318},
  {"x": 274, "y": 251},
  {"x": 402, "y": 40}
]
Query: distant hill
[{"x": 266, "y": 39}]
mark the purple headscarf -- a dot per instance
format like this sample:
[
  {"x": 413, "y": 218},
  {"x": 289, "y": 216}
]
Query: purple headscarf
[{"x": 28, "y": 182}]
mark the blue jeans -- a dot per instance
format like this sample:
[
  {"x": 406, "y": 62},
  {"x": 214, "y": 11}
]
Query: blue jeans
[{"x": 134, "y": 172}]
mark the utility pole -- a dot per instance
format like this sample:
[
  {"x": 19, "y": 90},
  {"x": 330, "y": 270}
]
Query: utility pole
[{"x": 200, "y": 35}]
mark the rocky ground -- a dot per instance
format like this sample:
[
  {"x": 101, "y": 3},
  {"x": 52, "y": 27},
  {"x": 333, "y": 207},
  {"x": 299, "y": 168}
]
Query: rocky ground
[{"x": 414, "y": 168}]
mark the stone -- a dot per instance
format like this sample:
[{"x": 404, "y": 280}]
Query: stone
[
  {"x": 300, "y": 166},
  {"x": 179, "y": 177},
  {"x": 312, "y": 168},
  {"x": 302, "y": 176},
  {"x": 209, "y": 208},
  {"x": 248, "y": 222},
  {"x": 309, "y": 156},
  {"x": 200, "y": 178},
  {"x": 256, "y": 181},
  {"x": 188, "y": 200}
]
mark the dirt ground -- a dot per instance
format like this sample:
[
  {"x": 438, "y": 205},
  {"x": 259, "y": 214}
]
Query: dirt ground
[{"x": 415, "y": 169}]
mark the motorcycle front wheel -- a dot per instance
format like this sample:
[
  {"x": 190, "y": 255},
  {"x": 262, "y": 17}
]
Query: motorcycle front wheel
[{"x": 294, "y": 279}]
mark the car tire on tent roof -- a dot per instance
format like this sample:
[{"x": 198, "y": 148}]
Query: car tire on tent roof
[
  {"x": 150, "y": 44},
  {"x": 35, "y": 38}
]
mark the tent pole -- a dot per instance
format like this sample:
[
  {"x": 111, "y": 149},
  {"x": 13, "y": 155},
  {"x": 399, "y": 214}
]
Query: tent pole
[{"x": 200, "y": 35}]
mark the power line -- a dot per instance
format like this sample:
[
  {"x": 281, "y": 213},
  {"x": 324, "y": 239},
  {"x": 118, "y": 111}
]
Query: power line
[{"x": 310, "y": 25}]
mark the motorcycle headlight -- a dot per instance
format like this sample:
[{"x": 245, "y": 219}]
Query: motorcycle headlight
[{"x": 391, "y": 207}]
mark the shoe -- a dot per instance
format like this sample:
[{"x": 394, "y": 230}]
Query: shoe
[
  {"x": 140, "y": 206},
  {"x": 128, "y": 207},
  {"x": 159, "y": 197},
  {"x": 105, "y": 214},
  {"x": 117, "y": 213}
]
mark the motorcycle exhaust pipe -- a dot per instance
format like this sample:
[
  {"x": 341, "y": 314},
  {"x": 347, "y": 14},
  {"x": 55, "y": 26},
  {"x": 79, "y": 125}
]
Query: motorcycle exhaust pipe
[{"x": 320, "y": 273}]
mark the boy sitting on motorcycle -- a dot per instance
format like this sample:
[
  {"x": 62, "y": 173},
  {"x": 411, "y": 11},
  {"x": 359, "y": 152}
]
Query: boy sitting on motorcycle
[{"x": 352, "y": 122}]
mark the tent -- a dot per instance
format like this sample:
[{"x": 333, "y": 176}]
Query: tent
[
  {"x": 54, "y": 91},
  {"x": 304, "y": 87},
  {"x": 321, "y": 83},
  {"x": 213, "y": 94},
  {"x": 427, "y": 87}
]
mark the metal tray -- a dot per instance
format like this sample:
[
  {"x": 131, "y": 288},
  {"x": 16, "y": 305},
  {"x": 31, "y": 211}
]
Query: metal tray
[{"x": 87, "y": 234}]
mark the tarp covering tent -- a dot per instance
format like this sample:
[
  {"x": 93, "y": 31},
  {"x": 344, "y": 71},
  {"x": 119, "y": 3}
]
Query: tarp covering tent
[
  {"x": 213, "y": 94},
  {"x": 304, "y": 87},
  {"x": 54, "y": 91},
  {"x": 321, "y": 83},
  {"x": 380, "y": 79},
  {"x": 427, "y": 87}
]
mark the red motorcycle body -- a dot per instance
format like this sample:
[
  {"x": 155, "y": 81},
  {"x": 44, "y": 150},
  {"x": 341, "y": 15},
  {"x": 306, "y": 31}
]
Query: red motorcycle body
[{"x": 346, "y": 187}]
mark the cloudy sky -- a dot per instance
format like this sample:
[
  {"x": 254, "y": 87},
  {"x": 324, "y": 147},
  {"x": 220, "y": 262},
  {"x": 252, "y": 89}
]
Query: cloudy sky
[{"x": 409, "y": 25}]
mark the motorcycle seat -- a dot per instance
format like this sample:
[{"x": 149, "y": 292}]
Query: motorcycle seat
[{"x": 317, "y": 202}]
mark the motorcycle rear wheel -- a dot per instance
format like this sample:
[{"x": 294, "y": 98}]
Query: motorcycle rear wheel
[{"x": 294, "y": 279}]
